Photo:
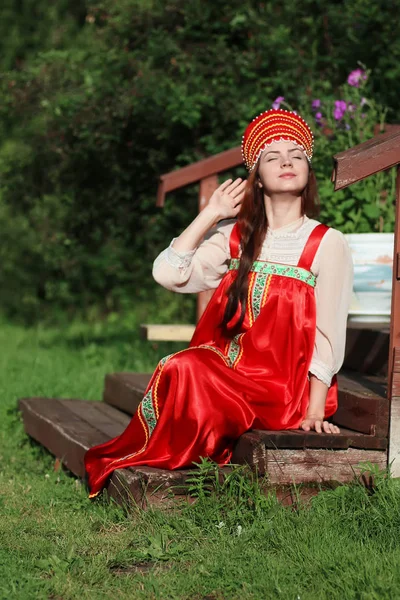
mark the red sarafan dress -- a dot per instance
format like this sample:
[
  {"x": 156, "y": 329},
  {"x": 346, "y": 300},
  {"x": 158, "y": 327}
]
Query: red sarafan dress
[{"x": 201, "y": 400}]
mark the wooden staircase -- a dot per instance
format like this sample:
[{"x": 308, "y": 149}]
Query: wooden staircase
[
  {"x": 69, "y": 427},
  {"x": 369, "y": 385}
]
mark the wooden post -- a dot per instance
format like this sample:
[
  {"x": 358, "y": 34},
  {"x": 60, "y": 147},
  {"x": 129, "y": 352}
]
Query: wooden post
[
  {"x": 208, "y": 185},
  {"x": 394, "y": 348}
]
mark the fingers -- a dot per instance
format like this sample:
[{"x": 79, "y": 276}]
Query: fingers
[
  {"x": 239, "y": 189},
  {"x": 330, "y": 427},
  {"x": 319, "y": 426},
  {"x": 234, "y": 187},
  {"x": 305, "y": 426},
  {"x": 224, "y": 185}
]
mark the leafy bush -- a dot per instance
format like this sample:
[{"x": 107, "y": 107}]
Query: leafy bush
[{"x": 138, "y": 88}]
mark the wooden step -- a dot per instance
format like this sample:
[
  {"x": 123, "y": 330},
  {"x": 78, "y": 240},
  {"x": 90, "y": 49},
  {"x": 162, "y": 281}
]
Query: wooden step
[
  {"x": 367, "y": 350},
  {"x": 125, "y": 390},
  {"x": 167, "y": 333},
  {"x": 363, "y": 406},
  {"x": 68, "y": 428}
]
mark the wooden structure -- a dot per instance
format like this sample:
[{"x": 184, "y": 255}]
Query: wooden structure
[{"x": 369, "y": 389}]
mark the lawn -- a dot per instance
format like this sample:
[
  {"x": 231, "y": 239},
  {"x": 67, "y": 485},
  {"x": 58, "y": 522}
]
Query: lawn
[{"x": 234, "y": 543}]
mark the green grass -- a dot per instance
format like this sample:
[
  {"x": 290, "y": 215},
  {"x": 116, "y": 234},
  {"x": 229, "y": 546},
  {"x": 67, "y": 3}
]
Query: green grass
[{"x": 234, "y": 542}]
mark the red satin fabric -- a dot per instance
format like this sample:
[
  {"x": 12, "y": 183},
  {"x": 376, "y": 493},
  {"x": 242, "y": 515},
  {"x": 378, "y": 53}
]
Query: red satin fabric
[{"x": 200, "y": 400}]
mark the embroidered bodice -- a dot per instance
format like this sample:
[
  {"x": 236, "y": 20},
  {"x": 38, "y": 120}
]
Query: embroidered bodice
[{"x": 332, "y": 269}]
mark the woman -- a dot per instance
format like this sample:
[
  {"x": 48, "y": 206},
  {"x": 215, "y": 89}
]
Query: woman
[{"x": 267, "y": 349}]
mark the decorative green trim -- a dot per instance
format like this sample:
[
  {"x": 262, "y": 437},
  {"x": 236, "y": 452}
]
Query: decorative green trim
[
  {"x": 148, "y": 411},
  {"x": 257, "y": 293},
  {"x": 234, "y": 349},
  {"x": 267, "y": 268},
  {"x": 214, "y": 349},
  {"x": 164, "y": 359}
]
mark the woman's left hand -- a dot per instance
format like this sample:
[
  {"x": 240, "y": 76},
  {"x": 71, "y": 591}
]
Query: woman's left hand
[{"x": 318, "y": 425}]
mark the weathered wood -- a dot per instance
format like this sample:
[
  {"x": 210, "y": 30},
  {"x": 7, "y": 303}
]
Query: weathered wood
[
  {"x": 167, "y": 333},
  {"x": 100, "y": 415},
  {"x": 394, "y": 351},
  {"x": 394, "y": 432},
  {"x": 297, "y": 438},
  {"x": 199, "y": 170},
  {"x": 145, "y": 486},
  {"x": 395, "y": 308},
  {"x": 305, "y": 466},
  {"x": 64, "y": 433},
  {"x": 363, "y": 405},
  {"x": 125, "y": 390},
  {"x": 374, "y": 155},
  {"x": 367, "y": 350},
  {"x": 68, "y": 428},
  {"x": 208, "y": 185}
]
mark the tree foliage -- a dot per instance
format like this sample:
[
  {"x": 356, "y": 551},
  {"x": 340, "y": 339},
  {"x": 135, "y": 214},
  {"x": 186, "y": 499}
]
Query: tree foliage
[{"x": 99, "y": 98}]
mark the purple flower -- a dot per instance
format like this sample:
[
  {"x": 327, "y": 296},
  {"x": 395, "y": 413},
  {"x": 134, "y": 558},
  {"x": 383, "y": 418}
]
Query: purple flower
[
  {"x": 355, "y": 77},
  {"x": 316, "y": 103},
  {"x": 363, "y": 101},
  {"x": 277, "y": 102},
  {"x": 339, "y": 110},
  {"x": 318, "y": 118}
]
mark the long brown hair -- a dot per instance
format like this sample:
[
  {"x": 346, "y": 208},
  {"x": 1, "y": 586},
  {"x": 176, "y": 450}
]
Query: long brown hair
[{"x": 253, "y": 224}]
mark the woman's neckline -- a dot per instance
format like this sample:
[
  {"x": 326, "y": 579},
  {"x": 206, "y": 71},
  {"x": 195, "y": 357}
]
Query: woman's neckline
[{"x": 292, "y": 227}]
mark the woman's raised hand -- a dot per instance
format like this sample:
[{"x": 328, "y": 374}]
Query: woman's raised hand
[{"x": 227, "y": 198}]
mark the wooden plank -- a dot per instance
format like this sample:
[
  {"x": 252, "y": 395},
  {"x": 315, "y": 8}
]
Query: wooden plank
[
  {"x": 64, "y": 433},
  {"x": 394, "y": 351},
  {"x": 103, "y": 417},
  {"x": 167, "y": 333},
  {"x": 296, "y": 438},
  {"x": 394, "y": 433},
  {"x": 374, "y": 155},
  {"x": 367, "y": 350},
  {"x": 199, "y": 170},
  {"x": 395, "y": 308},
  {"x": 306, "y": 466},
  {"x": 63, "y": 427},
  {"x": 301, "y": 466},
  {"x": 208, "y": 185},
  {"x": 130, "y": 487},
  {"x": 145, "y": 486},
  {"x": 363, "y": 406},
  {"x": 125, "y": 391}
]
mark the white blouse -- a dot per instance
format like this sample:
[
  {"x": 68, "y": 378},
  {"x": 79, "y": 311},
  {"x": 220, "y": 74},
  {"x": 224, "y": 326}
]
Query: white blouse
[{"x": 202, "y": 269}]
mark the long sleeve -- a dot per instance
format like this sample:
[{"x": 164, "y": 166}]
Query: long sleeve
[
  {"x": 333, "y": 266},
  {"x": 199, "y": 270}
]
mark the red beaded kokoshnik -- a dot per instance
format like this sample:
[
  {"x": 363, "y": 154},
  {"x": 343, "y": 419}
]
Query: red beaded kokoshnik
[{"x": 275, "y": 125}]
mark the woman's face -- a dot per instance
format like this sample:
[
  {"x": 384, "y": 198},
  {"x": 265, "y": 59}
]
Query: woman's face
[{"x": 283, "y": 168}]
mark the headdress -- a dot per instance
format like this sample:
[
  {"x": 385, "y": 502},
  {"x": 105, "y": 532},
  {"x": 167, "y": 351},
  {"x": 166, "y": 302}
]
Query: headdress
[{"x": 275, "y": 125}]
